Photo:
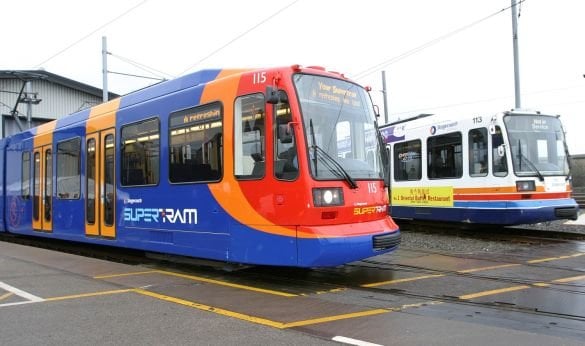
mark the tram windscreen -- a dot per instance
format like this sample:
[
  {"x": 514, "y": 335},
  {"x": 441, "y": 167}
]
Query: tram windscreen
[
  {"x": 338, "y": 122},
  {"x": 537, "y": 145}
]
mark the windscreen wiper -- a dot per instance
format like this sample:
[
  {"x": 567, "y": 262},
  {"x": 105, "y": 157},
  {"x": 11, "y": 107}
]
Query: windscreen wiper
[
  {"x": 337, "y": 167},
  {"x": 532, "y": 165}
]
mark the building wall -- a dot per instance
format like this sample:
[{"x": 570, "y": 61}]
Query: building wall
[{"x": 57, "y": 101}]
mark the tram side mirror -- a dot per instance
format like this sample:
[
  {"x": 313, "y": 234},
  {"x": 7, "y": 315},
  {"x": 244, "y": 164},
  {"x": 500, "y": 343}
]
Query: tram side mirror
[
  {"x": 272, "y": 95},
  {"x": 285, "y": 133},
  {"x": 377, "y": 111},
  {"x": 501, "y": 150},
  {"x": 492, "y": 129}
]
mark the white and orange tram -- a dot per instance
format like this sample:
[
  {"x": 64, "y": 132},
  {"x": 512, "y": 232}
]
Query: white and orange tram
[{"x": 506, "y": 169}]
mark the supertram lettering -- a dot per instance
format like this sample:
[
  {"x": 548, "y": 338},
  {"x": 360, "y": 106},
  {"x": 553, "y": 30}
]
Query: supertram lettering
[
  {"x": 141, "y": 214},
  {"x": 184, "y": 216},
  {"x": 369, "y": 210}
]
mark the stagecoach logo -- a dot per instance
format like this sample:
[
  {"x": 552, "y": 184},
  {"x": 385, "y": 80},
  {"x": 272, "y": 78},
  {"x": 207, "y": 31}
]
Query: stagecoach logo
[
  {"x": 442, "y": 127},
  {"x": 164, "y": 215}
]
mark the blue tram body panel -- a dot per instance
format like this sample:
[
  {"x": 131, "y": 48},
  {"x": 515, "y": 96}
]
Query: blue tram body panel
[{"x": 3, "y": 206}]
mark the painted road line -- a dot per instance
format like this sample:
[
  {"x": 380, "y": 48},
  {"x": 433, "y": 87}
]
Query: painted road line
[
  {"x": 336, "y": 318},
  {"x": 109, "y": 276},
  {"x": 493, "y": 292},
  {"x": 91, "y": 294},
  {"x": 6, "y": 295},
  {"x": 30, "y": 298},
  {"x": 249, "y": 318},
  {"x": 20, "y": 293},
  {"x": 228, "y": 284},
  {"x": 201, "y": 279},
  {"x": 351, "y": 341},
  {"x": 540, "y": 260},
  {"x": 260, "y": 320},
  {"x": 390, "y": 282},
  {"x": 473, "y": 270}
]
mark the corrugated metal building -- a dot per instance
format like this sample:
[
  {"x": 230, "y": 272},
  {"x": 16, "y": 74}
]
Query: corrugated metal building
[{"x": 46, "y": 97}]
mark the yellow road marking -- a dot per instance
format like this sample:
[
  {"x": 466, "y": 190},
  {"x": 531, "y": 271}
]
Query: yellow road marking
[
  {"x": 336, "y": 318},
  {"x": 522, "y": 287},
  {"x": 92, "y": 294},
  {"x": 223, "y": 283},
  {"x": 570, "y": 279},
  {"x": 375, "y": 284},
  {"x": 202, "y": 279},
  {"x": 473, "y": 270},
  {"x": 204, "y": 307},
  {"x": 540, "y": 260},
  {"x": 124, "y": 274},
  {"x": 493, "y": 292},
  {"x": 6, "y": 295},
  {"x": 259, "y": 320}
]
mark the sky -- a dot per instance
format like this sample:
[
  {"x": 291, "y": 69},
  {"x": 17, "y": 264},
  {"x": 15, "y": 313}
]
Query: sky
[{"x": 449, "y": 56}]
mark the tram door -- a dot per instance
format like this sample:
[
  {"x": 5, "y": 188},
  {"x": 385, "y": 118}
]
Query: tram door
[
  {"x": 100, "y": 184},
  {"x": 42, "y": 218}
]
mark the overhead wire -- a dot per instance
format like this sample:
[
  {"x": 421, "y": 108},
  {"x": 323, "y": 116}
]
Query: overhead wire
[
  {"x": 90, "y": 34},
  {"x": 151, "y": 70},
  {"x": 418, "y": 110},
  {"x": 427, "y": 44},
  {"x": 240, "y": 36}
]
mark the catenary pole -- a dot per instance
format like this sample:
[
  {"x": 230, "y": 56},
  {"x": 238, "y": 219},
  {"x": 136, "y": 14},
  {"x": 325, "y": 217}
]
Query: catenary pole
[
  {"x": 517, "y": 103},
  {"x": 105, "y": 68}
]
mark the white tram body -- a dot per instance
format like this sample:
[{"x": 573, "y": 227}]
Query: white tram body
[{"x": 507, "y": 169}]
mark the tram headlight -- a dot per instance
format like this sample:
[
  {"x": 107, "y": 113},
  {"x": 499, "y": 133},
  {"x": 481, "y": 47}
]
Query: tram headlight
[
  {"x": 525, "y": 185},
  {"x": 326, "y": 197}
]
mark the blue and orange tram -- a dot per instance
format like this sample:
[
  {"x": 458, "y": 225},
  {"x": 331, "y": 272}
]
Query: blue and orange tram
[{"x": 277, "y": 166}]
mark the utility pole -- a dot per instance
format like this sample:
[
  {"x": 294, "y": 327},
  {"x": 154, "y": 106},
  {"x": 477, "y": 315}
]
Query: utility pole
[
  {"x": 105, "y": 69},
  {"x": 517, "y": 103},
  {"x": 385, "y": 94},
  {"x": 28, "y": 104}
]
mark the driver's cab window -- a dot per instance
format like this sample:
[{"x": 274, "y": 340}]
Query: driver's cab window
[
  {"x": 286, "y": 164},
  {"x": 499, "y": 164}
]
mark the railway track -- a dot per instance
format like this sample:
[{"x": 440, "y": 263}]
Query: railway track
[
  {"x": 348, "y": 277},
  {"x": 523, "y": 233}
]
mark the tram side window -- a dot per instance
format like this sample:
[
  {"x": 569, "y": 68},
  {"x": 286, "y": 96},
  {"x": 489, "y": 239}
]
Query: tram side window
[
  {"x": 499, "y": 164},
  {"x": 478, "y": 152},
  {"x": 407, "y": 161},
  {"x": 69, "y": 169},
  {"x": 25, "y": 187},
  {"x": 249, "y": 137},
  {"x": 140, "y": 153},
  {"x": 444, "y": 154},
  {"x": 196, "y": 144}
]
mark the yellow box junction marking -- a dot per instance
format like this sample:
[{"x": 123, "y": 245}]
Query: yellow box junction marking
[
  {"x": 259, "y": 320},
  {"x": 91, "y": 294},
  {"x": 472, "y": 270},
  {"x": 555, "y": 258},
  {"x": 202, "y": 279}
]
